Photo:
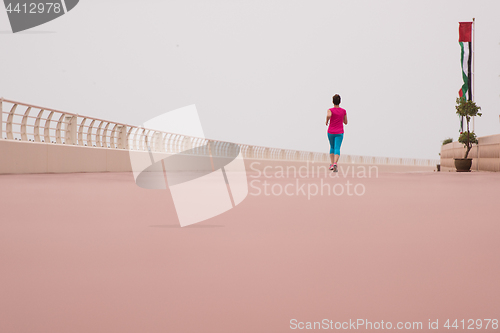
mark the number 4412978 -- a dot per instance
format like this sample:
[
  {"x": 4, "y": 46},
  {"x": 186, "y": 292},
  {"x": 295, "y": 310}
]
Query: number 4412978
[
  {"x": 472, "y": 324},
  {"x": 34, "y": 8}
]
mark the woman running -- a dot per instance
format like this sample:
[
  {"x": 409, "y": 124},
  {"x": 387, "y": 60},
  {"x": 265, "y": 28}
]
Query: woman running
[{"x": 337, "y": 118}]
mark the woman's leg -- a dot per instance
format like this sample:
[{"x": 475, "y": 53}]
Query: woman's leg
[
  {"x": 331, "y": 138},
  {"x": 336, "y": 147}
]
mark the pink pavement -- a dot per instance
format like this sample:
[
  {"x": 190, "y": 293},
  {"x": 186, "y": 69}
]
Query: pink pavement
[{"x": 96, "y": 253}]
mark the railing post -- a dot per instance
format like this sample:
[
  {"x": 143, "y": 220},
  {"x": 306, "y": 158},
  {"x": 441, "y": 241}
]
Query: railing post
[
  {"x": 122, "y": 136},
  {"x": 70, "y": 135},
  {"x": 156, "y": 141},
  {"x": 250, "y": 152},
  {"x": 186, "y": 143}
]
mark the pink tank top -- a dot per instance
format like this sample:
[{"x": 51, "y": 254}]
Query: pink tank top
[{"x": 337, "y": 121}]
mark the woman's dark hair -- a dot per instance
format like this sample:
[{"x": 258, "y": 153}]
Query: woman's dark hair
[{"x": 336, "y": 99}]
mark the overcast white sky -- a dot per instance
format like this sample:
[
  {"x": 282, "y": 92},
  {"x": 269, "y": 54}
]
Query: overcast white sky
[{"x": 263, "y": 72}]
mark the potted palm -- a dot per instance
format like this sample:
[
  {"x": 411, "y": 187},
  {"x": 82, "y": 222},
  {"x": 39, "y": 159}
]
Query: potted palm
[{"x": 466, "y": 109}]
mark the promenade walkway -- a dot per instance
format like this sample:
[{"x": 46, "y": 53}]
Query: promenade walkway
[{"x": 93, "y": 252}]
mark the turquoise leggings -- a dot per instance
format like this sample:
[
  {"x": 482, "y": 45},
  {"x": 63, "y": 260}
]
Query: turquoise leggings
[{"x": 335, "y": 142}]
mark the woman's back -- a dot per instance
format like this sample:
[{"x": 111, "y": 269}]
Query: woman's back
[{"x": 337, "y": 121}]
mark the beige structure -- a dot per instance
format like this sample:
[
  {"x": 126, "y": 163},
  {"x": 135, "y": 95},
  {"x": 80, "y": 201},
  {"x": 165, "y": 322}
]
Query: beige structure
[
  {"x": 485, "y": 155},
  {"x": 35, "y": 139}
]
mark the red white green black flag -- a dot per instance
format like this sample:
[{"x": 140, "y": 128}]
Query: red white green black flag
[{"x": 465, "y": 41}]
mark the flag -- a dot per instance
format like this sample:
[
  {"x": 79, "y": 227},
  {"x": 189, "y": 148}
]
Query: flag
[{"x": 465, "y": 41}]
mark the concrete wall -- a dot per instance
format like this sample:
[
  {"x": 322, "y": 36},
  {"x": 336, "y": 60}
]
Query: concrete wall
[
  {"x": 485, "y": 155},
  {"x": 37, "y": 157}
]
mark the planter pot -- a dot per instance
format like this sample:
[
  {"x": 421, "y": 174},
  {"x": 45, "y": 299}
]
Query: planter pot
[{"x": 463, "y": 164}]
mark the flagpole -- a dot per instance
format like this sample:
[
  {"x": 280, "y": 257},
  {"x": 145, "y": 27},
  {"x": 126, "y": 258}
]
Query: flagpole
[
  {"x": 474, "y": 81},
  {"x": 473, "y": 67}
]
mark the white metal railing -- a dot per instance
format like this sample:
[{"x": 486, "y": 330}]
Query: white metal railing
[{"x": 26, "y": 122}]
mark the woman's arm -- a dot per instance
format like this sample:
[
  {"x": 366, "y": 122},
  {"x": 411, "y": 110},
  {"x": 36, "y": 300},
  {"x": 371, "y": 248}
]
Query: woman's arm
[
  {"x": 345, "y": 119},
  {"x": 328, "y": 116}
]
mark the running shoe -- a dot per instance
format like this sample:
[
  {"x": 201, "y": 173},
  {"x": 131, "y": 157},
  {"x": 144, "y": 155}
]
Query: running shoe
[
  {"x": 331, "y": 166},
  {"x": 335, "y": 169}
]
